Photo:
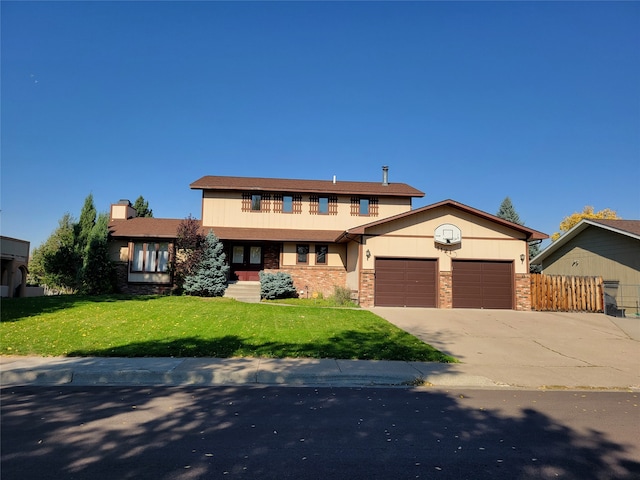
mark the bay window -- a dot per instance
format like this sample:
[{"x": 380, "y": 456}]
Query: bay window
[{"x": 150, "y": 257}]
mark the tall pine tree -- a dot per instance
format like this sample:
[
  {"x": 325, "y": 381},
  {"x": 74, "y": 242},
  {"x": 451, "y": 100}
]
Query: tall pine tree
[
  {"x": 141, "y": 207},
  {"x": 508, "y": 212},
  {"x": 85, "y": 224},
  {"x": 98, "y": 274}
]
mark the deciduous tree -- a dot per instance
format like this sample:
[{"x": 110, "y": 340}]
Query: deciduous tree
[
  {"x": 587, "y": 213},
  {"x": 188, "y": 250}
]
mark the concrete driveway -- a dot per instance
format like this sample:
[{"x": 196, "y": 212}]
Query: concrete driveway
[{"x": 530, "y": 349}]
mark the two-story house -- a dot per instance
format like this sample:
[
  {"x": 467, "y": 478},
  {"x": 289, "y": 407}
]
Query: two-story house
[{"x": 361, "y": 235}]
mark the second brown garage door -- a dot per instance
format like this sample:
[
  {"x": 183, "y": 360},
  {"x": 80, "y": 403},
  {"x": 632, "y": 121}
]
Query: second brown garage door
[
  {"x": 478, "y": 284},
  {"x": 405, "y": 282}
]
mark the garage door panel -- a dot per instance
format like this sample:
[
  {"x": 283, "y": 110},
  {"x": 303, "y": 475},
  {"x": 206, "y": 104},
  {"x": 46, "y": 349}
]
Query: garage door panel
[
  {"x": 479, "y": 284},
  {"x": 405, "y": 282}
]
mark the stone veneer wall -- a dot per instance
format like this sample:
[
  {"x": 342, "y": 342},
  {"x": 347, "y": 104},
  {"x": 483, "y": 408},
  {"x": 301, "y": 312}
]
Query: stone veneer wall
[
  {"x": 366, "y": 295},
  {"x": 314, "y": 279},
  {"x": 523, "y": 291},
  {"x": 123, "y": 285},
  {"x": 446, "y": 290}
]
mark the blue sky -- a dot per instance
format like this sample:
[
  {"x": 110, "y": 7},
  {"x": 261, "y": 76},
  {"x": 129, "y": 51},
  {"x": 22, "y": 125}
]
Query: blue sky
[{"x": 473, "y": 101}]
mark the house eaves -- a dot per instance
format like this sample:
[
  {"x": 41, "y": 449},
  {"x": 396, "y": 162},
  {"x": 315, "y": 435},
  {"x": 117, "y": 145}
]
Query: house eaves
[
  {"x": 629, "y": 228},
  {"x": 530, "y": 233},
  {"x": 274, "y": 234},
  {"x": 144, "y": 227},
  {"x": 245, "y": 184},
  {"x": 167, "y": 228}
]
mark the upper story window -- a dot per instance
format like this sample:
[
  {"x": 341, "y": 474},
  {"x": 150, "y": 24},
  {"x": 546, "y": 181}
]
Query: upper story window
[
  {"x": 150, "y": 257},
  {"x": 256, "y": 202},
  {"x": 287, "y": 203},
  {"x": 364, "y": 206},
  {"x": 323, "y": 205}
]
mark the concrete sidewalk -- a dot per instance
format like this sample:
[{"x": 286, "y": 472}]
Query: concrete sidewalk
[
  {"x": 230, "y": 371},
  {"x": 497, "y": 349}
]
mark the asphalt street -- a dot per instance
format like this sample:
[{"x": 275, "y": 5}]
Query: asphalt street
[{"x": 162, "y": 433}]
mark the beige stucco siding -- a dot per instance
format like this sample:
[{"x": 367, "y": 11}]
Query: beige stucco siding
[
  {"x": 150, "y": 278},
  {"x": 337, "y": 256},
  {"x": 225, "y": 208},
  {"x": 119, "y": 251},
  {"x": 413, "y": 237}
]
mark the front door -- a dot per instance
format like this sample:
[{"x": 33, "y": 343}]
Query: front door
[{"x": 246, "y": 262}]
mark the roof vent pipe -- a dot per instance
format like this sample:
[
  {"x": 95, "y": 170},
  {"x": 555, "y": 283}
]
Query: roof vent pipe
[
  {"x": 334, "y": 179},
  {"x": 385, "y": 175}
]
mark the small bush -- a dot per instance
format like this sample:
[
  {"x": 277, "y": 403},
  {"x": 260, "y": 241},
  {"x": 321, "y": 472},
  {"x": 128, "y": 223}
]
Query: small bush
[
  {"x": 341, "y": 295},
  {"x": 276, "y": 285}
]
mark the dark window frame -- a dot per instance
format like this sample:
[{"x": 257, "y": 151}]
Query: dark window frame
[
  {"x": 158, "y": 249},
  {"x": 302, "y": 249},
  {"x": 322, "y": 250}
]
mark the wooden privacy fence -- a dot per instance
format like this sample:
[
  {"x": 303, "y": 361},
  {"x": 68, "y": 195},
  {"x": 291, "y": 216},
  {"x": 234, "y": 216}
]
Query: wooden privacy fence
[{"x": 560, "y": 293}]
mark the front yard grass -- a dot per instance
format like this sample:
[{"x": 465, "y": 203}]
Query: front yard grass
[{"x": 166, "y": 326}]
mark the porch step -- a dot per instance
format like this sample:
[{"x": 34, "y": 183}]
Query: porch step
[{"x": 244, "y": 291}]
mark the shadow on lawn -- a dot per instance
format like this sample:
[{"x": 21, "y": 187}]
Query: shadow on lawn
[
  {"x": 16, "y": 309},
  {"x": 348, "y": 344}
]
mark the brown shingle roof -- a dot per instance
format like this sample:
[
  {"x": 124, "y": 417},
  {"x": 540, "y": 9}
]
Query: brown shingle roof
[
  {"x": 275, "y": 234},
  {"x": 211, "y": 182},
  {"x": 630, "y": 226},
  {"x": 145, "y": 227},
  {"x": 531, "y": 234}
]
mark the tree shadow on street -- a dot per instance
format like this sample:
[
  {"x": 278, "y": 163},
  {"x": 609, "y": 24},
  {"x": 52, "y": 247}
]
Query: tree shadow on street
[{"x": 273, "y": 433}]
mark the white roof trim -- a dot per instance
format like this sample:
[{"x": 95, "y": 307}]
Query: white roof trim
[{"x": 573, "y": 232}]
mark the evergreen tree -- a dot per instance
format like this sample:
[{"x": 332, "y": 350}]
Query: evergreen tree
[
  {"x": 507, "y": 212},
  {"x": 57, "y": 263},
  {"x": 85, "y": 224},
  {"x": 277, "y": 285},
  {"x": 75, "y": 257},
  {"x": 141, "y": 206},
  {"x": 98, "y": 275},
  {"x": 210, "y": 276}
]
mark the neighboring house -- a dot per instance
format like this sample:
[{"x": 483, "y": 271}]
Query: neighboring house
[
  {"x": 15, "y": 260},
  {"x": 604, "y": 248},
  {"x": 361, "y": 235}
]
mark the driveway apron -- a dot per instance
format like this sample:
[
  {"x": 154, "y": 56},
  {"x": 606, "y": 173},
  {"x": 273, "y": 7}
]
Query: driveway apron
[{"x": 529, "y": 349}]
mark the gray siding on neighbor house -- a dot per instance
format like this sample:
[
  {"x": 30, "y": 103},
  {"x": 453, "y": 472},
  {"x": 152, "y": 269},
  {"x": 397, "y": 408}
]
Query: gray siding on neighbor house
[{"x": 597, "y": 252}]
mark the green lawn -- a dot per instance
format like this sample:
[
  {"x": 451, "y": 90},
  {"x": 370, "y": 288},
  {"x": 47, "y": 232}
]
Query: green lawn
[{"x": 198, "y": 327}]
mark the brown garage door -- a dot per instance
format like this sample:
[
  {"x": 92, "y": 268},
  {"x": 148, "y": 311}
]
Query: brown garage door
[
  {"x": 405, "y": 282},
  {"x": 482, "y": 284}
]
